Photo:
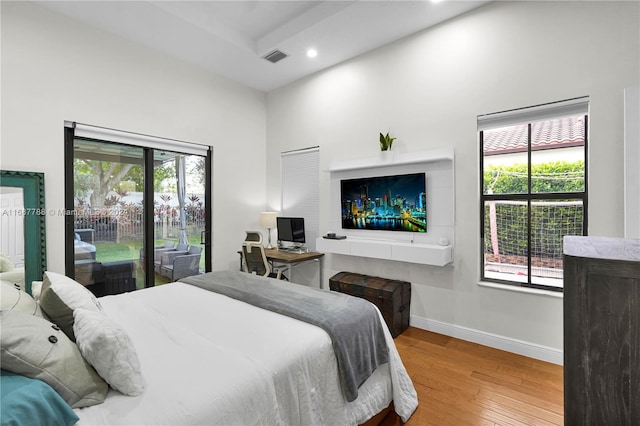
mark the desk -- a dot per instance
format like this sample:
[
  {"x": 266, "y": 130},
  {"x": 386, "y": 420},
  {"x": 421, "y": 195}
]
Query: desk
[
  {"x": 282, "y": 257},
  {"x": 289, "y": 259}
]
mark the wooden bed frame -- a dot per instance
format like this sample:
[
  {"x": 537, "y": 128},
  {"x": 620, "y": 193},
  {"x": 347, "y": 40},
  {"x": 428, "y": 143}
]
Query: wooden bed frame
[{"x": 379, "y": 418}]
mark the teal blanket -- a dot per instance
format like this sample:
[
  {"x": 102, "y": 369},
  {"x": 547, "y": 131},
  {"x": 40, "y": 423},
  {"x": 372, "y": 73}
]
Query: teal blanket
[{"x": 353, "y": 324}]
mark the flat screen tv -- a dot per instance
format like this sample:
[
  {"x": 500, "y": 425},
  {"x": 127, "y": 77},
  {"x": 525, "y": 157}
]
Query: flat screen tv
[
  {"x": 385, "y": 203},
  {"x": 291, "y": 229}
]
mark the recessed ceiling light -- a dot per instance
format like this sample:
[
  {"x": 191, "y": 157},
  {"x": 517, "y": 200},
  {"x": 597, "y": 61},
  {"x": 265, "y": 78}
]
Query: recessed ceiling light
[{"x": 312, "y": 53}]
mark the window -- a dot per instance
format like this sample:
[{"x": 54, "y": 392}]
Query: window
[
  {"x": 533, "y": 176},
  {"x": 300, "y": 171}
]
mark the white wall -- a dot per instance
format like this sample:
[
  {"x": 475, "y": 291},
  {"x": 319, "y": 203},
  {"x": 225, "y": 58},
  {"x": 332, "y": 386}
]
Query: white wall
[
  {"x": 427, "y": 90},
  {"x": 55, "y": 69},
  {"x": 632, "y": 161}
]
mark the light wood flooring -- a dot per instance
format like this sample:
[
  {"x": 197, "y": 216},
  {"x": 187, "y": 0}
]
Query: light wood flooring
[{"x": 463, "y": 383}]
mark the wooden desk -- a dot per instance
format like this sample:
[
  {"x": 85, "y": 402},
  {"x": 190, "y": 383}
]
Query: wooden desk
[{"x": 290, "y": 259}]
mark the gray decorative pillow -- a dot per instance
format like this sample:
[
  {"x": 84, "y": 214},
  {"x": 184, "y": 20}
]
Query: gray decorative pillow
[
  {"x": 12, "y": 298},
  {"x": 60, "y": 296},
  {"x": 36, "y": 348}
]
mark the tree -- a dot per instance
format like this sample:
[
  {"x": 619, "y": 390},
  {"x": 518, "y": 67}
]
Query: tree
[
  {"x": 160, "y": 173},
  {"x": 82, "y": 179},
  {"x": 101, "y": 177},
  {"x": 106, "y": 175},
  {"x": 198, "y": 169}
]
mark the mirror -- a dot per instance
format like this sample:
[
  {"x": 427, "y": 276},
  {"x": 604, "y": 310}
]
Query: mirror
[{"x": 27, "y": 257}]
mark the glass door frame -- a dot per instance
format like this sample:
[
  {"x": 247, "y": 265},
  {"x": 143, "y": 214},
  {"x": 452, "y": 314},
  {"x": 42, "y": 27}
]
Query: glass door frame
[{"x": 148, "y": 206}]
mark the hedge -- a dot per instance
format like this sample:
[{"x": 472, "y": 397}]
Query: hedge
[
  {"x": 547, "y": 229},
  {"x": 558, "y": 176}
]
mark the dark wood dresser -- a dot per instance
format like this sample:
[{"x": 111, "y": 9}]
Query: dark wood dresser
[
  {"x": 392, "y": 297},
  {"x": 601, "y": 331}
]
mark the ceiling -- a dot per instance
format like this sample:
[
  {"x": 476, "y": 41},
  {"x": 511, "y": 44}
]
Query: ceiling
[{"x": 231, "y": 37}]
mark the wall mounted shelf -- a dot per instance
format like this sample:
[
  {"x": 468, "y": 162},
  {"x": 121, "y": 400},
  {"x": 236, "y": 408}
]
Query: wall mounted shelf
[
  {"x": 395, "y": 159},
  {"x": 438, "y": 164},
  {"x": 427, "y": 254}
]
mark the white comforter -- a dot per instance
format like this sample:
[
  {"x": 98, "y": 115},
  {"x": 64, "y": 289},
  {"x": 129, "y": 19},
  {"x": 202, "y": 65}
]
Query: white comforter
[{"x": 208, "y": 359}]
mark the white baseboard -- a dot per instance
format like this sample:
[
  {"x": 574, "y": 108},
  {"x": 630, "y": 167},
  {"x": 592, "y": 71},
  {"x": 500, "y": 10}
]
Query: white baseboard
[{"x": 520, "y": 347}]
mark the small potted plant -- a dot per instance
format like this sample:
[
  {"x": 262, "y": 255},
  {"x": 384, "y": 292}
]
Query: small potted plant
[{"x": 385, "y": 142}]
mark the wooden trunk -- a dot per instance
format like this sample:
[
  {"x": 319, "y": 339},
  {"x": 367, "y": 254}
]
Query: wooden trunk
[{"x": 392, "y": 297}]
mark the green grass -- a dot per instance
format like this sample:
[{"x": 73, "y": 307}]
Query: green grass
[{"x": 113, "y": 252}]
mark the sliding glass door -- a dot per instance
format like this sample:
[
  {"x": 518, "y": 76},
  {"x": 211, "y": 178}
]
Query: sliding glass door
[
  {"x": 140, "y": 214},
  {"x": 179, "y": 216}
]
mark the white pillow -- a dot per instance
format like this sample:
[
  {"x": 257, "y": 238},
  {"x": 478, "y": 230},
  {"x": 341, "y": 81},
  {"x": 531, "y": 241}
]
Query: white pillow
[
  {"x": 6, "y": 264},
  {"x": 107, "y": 347},
  {"x": 60, "y": 296},
  {"x": 36, "y": 289}
]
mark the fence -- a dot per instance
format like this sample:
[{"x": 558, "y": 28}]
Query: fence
[
  {"x": 113, "y": 225},
  {"x": 506, "y": 239}
]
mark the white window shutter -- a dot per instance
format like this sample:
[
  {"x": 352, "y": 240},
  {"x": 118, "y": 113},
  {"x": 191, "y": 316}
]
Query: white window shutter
[{"x": 300, "y": 171}]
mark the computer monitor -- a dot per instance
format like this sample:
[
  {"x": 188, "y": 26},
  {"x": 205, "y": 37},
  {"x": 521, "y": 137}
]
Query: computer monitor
[{"x": 291, "y": 229}]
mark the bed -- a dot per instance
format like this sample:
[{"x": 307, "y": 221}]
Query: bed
[{"x": 209, "y": 358}]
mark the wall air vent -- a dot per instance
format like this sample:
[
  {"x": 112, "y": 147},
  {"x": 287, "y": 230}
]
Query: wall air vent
[{"x": 275, "y": 56}]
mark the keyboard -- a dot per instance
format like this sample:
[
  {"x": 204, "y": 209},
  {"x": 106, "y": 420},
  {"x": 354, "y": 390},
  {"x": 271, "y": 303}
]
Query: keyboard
[{"x": 295, "y": 250}]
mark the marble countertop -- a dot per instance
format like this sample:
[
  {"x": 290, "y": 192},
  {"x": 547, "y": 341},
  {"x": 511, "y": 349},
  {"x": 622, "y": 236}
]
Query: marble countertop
[{"x": 603, "y": 247}]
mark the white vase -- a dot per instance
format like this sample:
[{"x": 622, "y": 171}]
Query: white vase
[{"x": 386, "y": 156}]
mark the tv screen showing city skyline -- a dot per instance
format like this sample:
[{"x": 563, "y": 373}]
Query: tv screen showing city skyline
[{"x": 385, "y": 203}]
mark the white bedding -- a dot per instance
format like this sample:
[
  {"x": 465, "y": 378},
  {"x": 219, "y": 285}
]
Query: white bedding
[{"x": 209, "y": 359}]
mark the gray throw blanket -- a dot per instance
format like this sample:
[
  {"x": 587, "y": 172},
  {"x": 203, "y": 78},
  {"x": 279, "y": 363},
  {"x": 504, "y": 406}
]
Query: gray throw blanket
[{"x": 353, "y": 324}]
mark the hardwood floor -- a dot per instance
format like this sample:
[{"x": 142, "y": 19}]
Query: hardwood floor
[{"x": 463, "y": 383}]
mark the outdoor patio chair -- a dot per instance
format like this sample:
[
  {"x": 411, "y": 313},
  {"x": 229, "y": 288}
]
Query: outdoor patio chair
[
  {"x": 181, "y": 265},
  {"x": 82, "y": 249},
  {"x": 166, "y": 257},
  {"x": 167, "y": 246}
]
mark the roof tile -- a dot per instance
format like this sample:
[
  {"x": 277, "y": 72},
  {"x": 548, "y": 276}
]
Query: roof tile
[{"x": 548, "y": 134}]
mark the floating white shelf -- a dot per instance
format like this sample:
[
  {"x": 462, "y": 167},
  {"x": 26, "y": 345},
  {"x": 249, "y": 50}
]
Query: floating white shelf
[
  {"x": 393, "y": 159},
  {"x": 427, "y": 254},
  {"x": 438, "y": 164}
]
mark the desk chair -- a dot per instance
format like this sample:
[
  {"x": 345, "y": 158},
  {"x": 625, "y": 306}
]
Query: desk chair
[
  {"x": 254, "y": 260},
  {"x": 253, "y": 237}
]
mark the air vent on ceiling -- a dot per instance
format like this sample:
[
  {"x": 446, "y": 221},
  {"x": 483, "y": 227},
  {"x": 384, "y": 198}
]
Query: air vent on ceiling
[{"x": 275, "y": 56}]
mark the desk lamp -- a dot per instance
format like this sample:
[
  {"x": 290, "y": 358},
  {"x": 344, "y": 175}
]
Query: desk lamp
[{"x": 268, "y": 220}]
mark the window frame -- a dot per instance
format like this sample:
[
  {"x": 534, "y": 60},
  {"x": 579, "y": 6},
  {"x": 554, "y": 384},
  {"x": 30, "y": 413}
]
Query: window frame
[{"x": 528, "y": 197}]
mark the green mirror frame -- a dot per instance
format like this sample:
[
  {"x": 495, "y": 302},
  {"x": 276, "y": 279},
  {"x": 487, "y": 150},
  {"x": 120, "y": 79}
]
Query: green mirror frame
[{"x": 35, "y": 236}]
